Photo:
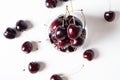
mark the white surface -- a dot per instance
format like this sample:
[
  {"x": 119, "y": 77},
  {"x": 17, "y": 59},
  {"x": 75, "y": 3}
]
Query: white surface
[{"x": 104, "y": 37}]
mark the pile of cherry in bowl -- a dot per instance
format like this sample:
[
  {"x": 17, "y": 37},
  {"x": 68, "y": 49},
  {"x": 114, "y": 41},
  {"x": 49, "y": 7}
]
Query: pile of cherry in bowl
[{"x": 67, "y": 33}]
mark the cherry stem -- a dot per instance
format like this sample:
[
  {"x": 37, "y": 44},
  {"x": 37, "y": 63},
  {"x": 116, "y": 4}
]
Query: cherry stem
[
  {"x": 72, "y": 12},
  {"x": 67, "y": 12},
  {"x": 84, "y": 19}
]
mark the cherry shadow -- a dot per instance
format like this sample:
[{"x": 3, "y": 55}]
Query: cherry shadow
[
  {"x": 63, "y": 77},
  {"x": 29, "y": 23},
  {"x": 59, "y": 3},
  {"x": 35, "y": 46},
  {"x": 42, "y": 66},
  {"x": 98, "y": 29}
]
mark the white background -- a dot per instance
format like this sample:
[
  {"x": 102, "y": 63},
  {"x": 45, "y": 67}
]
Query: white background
[{"x": 103, "y": 37}]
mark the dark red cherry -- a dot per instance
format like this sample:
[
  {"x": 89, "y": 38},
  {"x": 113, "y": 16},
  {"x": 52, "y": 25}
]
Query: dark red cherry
[
  {"x": 77, "y": 42},
  {"x": 55, "y": 77},
  {"x": 63, "y": 43},
  {"x": 63, "y": 49},
  {"x": 27, "y": 47},
  {"x": 71, "y": 49},
  {"x": 34, "y": 67},
  {"x": 21, "y": 25},
  {"x": 73, "y": 31},
  {"x": 88, "y": 54},
  {"x": 51, "y": 3},
  {"x": 10, "y": 33},
  {"x": 54, "y": 25},
  {"x": 109, "y": 16},
  {"x": 60, "y": 33}
]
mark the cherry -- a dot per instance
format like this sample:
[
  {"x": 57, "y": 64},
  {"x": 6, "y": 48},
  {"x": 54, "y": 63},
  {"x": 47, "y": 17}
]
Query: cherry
[
  {"x": 60, "y": 33},
  {"x": 21, "y": 25},
  {"x": 10, "y": 33},
  {"x": 51, "y": 3},
  {"x": 27, "y": 47},
  {"x": 109, "y": 16},
  {"x": 54, "y": 25},
  {"x": 77, "y": 42},
  {"x": 88, "y": 54},
  {"x": 63, "y": 43},
  {"x": 34, "y": 67},
  {"x": 73, "y": 31},
  {"x": 71, "y": 49},
  {"x": 55, "y": 77},
  {"x": 63, "y": 49}
]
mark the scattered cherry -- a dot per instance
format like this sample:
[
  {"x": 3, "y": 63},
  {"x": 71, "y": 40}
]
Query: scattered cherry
[
  {"x": 88, "y": 54},
  {"x": 27, "y": 47},
  {"x": 51, "y": 3},
  {"x": 21, "y": 25},
  {"x": 55, "y": 77},
  {"x": 34, "y": 67},
  {"x": 109, "y": 16},
  {"x": 10, "y": 33}
]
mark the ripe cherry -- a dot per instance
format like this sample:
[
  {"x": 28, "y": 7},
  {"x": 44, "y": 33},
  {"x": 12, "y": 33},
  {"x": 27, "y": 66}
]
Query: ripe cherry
[
  {"x": 34, "y": 67},
  {"x": 77, "y": 42},
  {"x": 54, "y": 25},
  {"x": 51, "y": 3},
  {"x": 10, "y": 33},
  {"x": 88, "y": 54},
  {"x": 109, "y": 16},
  {"x": 73, "y": 31},
  {"x": 55, "y": 77},
  {"x": 60, "y": 33},
  {"x": 27, "y": 47},
  {"x": 21, "y": 25}
]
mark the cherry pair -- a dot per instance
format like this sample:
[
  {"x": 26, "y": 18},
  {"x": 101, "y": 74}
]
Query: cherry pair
[
  {"x": 53, "y": 3},
  {"x": 11, "y": 33}
]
